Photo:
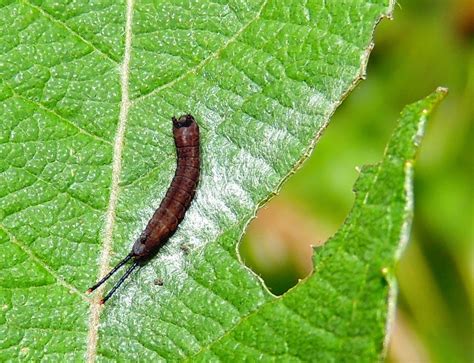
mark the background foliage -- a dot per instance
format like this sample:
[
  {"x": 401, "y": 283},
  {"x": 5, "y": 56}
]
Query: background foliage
[{"x": 429, "y": 43}]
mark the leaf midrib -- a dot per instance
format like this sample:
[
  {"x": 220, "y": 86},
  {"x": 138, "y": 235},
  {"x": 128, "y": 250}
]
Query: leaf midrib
[{"x": 95, "y": 307}]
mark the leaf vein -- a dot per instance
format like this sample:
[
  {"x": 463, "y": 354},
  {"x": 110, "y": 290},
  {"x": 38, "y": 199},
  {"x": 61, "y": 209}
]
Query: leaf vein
[
  {"x": 206, "y": 60},
  {"x": 42, "y": 263},
  {"x": 70, "y": 30}
]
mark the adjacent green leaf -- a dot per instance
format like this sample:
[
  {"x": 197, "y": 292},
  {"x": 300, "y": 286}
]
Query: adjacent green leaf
[
  {"x": 340, "y": 312},
  {"x": 86, "y": 95}
]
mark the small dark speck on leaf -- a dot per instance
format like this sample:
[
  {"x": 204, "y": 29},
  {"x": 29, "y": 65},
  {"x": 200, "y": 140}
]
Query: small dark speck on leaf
[
  {"x": 185, "y": 248},
  {"x": 158, "y": 282}
]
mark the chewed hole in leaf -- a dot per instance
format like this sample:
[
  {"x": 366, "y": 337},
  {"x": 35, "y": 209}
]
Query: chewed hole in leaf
[{"x": 278, "y": 244}]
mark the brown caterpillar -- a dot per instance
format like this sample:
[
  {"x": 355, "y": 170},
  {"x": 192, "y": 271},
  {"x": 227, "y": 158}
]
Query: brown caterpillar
[{"x": 174, "y": 205}]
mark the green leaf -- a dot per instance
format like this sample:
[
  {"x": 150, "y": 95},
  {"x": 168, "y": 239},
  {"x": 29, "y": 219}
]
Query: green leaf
[
  {"x": 86, "y": 95},
  {"x": 342, "y": 311}
]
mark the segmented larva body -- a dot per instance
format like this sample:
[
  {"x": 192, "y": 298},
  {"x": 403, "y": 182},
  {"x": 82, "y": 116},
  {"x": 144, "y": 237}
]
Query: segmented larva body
[
  {"x": 174, "y": 205},
  {"x": 171, "y": 211}
]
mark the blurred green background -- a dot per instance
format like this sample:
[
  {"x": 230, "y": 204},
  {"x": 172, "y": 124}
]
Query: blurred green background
[{"x": 428, "y": 44}]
